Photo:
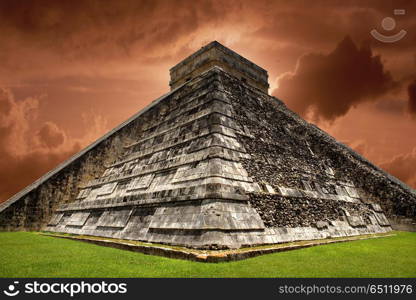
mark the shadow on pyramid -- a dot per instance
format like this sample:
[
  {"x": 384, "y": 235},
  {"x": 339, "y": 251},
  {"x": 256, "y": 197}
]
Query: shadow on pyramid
[{"x": 216, "y": 163}]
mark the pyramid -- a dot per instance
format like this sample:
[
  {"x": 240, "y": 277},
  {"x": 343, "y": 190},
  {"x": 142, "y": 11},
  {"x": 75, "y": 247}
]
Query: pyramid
[{"x": 215, "y": 163}]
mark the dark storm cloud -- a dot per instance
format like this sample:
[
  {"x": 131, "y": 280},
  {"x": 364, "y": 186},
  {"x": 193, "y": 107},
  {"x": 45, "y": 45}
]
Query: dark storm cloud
[
  {"x": 93, "y": 29},
  {"x": 330, "y": 85}
]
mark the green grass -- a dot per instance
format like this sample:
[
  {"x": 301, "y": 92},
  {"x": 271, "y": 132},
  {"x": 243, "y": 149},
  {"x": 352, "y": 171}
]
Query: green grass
[{"x": 28, "y": 254}]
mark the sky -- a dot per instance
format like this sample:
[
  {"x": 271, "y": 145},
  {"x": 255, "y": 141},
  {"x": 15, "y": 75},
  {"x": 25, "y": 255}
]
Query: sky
[{"x": 72, "y": 70}]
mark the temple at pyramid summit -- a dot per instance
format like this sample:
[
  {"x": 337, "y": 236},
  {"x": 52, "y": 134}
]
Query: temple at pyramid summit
[{"x": 215, "y": 163}]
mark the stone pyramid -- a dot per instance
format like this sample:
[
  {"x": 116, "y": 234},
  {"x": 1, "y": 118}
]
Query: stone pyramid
[{"x": 215, "y": 163}]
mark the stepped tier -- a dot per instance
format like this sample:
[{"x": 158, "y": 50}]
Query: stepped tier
[{"x": 225, "y": 166}]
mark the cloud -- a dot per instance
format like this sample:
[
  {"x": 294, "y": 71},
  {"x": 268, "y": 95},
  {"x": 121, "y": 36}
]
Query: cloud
[
  {"x": 94, "y": 30},
  {"x": 50, "y": 135},
  {"x": 5, "y": 102},
  {"x": 328, "y": 86},
  {"x": 391, "y": 105},
  {"x": 403, "y": 167},
  {"x": 14, "y": 121},
  {"x": 411, "y": 90},
  {"x": 27, "y": 153}
]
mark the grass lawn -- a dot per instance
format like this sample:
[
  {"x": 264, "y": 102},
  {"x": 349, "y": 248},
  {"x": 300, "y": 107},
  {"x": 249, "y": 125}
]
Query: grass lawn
[{"x": 28, "y": 254}]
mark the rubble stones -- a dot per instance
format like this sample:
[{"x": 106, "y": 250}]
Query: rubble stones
[
  {"x": 278, "y": 211},
  {"x": 287, "y": 151}
]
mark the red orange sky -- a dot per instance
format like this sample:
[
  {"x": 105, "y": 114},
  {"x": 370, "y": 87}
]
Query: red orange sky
[{"x": 72, "y": 70}]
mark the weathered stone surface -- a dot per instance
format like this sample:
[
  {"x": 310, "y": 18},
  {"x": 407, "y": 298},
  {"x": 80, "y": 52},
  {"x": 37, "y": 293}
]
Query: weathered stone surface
[
  {"x": 216, "y": 163},
  {"x": 215, "y": 54}
]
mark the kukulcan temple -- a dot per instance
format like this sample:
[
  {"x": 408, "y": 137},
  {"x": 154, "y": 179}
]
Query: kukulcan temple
[{"x": 215, "y": 163}]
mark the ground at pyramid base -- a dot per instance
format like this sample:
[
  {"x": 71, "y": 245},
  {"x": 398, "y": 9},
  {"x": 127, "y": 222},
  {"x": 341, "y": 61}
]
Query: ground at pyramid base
[{"x": 216, "y": 163}]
